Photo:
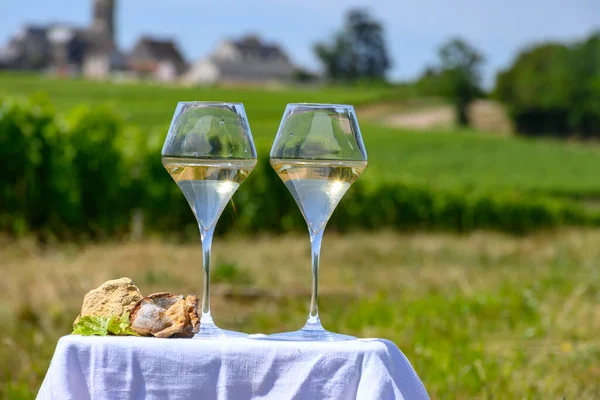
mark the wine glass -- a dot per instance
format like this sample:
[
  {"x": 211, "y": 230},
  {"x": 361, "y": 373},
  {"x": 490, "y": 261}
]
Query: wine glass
[
  {"x": 209, "y": 152},
  {"x": 318, "y": 153}
]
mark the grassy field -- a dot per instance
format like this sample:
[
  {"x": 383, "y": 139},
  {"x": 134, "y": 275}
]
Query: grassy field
[
  {"x": 479, "y": 316},
  {"x": 438, "y": 159},
  {"x": 479, "y": 161},
  {"x": 150, "y": 105}
]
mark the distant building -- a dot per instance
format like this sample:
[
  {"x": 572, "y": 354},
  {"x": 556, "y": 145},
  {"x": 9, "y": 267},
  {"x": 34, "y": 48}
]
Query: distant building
[
  {"x": 29, "y": 49},
  {"x": 248, "y": 60},
  {"x": 68, "y": 46},
  {"x": 66, "y": 49},
  {"x": 157, "y": 59},
  {"x": 57, "y": 46}
]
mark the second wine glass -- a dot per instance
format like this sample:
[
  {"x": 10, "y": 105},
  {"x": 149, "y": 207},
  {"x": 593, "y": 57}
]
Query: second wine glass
[
  {"x": 318, "y": 153},
  {"x": 209, "y": 152}
]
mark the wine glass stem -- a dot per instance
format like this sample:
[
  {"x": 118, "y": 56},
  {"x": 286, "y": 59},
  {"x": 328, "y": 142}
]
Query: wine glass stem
[
  {"x": 206, "y": 237},
  {"x": 315, "y": 245}
]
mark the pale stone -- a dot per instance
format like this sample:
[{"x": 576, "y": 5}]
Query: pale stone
[{"x": 113, "y": 297}]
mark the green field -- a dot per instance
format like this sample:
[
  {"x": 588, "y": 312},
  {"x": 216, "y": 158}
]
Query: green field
[
  {"x": 445, "y": 159},
  {"x": 150, "y": 106}
]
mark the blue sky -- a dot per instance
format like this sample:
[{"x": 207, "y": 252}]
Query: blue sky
[{"x": 414, "y": 29}]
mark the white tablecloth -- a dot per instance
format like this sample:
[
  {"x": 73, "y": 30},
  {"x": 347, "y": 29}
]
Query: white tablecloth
[{"x": 147, "y": 368}]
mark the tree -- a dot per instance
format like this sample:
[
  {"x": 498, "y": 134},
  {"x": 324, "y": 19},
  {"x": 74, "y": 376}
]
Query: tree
[
  {"x": 539, "y": 77},
  {"x": 460, "y": 75},
  {"x": 584, "y": 102},
  {"x": 554, "y": 89},
  {"x": 357, "y": 51}
]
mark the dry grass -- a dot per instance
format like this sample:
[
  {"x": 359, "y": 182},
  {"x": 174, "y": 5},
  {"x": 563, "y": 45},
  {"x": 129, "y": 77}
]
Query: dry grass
[
  {"x": 480, "y": 316},
  {"x": 428, "y": 114}
]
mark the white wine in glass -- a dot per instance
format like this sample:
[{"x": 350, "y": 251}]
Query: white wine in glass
[
  {"x": 317, "y": 185},
  {"x": 209, "y": 152},
  {"x": 318, "y": 153},
  {"x": 207, "y": 184}
]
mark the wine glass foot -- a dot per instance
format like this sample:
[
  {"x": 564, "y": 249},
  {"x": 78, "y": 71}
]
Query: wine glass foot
[
  {"x": 304, "y": 335},
  {"x": 214, "y": 332},
  {"x": 312, "y": 331}
]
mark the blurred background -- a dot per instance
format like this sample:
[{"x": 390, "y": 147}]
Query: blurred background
[{"x": 472, "y": 240}]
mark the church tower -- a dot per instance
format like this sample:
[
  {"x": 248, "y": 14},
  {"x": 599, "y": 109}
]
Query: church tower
[
  {"x": 102, "y": 56},
  {"x": 104, "y": 18}
]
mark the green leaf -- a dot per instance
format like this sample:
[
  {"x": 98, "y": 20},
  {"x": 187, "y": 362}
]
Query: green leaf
[
  {"x": 120, "y": 326},
  {"x": 102, "y": 326},
  {"x": 92, "y": 325}
]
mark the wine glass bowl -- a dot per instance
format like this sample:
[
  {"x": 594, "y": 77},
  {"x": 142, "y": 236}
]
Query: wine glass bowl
[
  {"x": 209, "y": 152},
  {"x": 318, "y": 153},
  {"x": 209, "y": 130}
]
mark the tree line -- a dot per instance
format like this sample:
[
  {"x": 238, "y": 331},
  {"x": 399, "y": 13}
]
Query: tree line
[
  {"x": 554, "y": 89},
  {"x": 549, "y": 89}
]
